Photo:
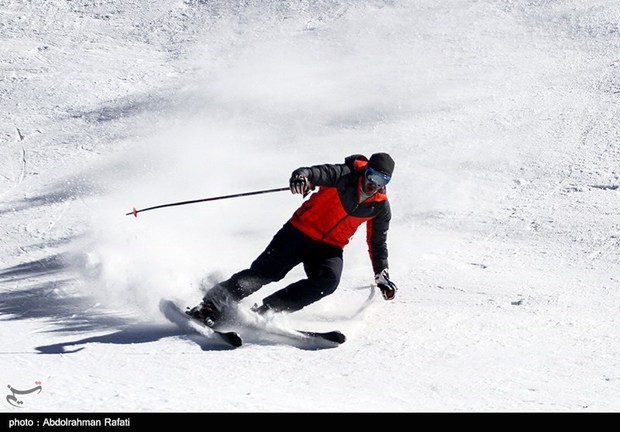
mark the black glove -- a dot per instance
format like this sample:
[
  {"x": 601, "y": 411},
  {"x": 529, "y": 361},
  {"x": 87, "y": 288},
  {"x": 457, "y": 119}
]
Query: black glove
[
  {"x": 387, "y": 287},
  {"x": 299, "y": 185}
]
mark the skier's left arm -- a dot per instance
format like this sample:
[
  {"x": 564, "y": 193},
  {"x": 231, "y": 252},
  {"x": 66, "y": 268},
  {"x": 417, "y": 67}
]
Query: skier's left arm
[{"x": 377, "y": 247}]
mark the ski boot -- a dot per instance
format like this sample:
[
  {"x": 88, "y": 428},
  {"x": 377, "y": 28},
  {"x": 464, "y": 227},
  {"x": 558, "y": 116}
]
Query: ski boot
[
  {"x": 261, "y": 310},
  {"x": 207, "y": 313}
]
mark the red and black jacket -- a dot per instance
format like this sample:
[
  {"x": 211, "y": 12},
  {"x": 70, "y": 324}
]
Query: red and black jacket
[{"x": 333, "y": 214}]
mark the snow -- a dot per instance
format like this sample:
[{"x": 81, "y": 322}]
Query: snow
[{"x": 503, "y": 121}]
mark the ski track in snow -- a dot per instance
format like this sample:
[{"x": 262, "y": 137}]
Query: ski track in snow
[{"x": 503, "y": 121}]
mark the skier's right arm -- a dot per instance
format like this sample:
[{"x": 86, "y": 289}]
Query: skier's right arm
[{"x": 304, "y": 179}]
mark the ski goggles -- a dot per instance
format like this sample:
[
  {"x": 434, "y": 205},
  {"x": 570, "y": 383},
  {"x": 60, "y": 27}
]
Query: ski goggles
[{"x": 376, "y": 178}]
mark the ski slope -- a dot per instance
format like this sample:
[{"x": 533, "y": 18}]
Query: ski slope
[{"x": 502, "y": 117}]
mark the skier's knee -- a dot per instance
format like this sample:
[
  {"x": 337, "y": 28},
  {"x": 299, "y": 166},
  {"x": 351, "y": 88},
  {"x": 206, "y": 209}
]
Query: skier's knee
[{"x": 328, "y": 284}]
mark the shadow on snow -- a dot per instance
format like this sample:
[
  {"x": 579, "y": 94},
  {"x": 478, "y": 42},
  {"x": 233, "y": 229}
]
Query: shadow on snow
[{"x": 45, "y": 289}]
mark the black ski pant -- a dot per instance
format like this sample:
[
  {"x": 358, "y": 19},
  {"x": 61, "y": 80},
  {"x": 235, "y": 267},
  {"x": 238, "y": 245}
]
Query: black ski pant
[{"x": 289, "y": 247}]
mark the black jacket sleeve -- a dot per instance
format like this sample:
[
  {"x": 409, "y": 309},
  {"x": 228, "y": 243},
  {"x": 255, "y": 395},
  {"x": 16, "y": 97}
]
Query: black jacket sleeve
[
  {"x": 323, "y": 175},
  {"x": 377, "y": 230}
]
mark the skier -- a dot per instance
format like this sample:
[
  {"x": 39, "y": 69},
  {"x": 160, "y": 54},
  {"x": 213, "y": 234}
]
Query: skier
[{"x": 349, "y": 194}]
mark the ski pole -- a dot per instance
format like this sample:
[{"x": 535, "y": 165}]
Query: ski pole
[{"x": 135, "y": 212}]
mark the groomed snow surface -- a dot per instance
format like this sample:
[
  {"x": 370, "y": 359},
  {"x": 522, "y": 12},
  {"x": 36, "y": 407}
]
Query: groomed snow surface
[{"x": 502, "y": 117}]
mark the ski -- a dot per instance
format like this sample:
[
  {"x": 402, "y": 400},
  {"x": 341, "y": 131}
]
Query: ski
[
  {"x": 230, "y": 337},
  {"x": 334, "y": 336},
  {"x": 177, "y": 316},
  {"x": 302, "y": 338}
]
